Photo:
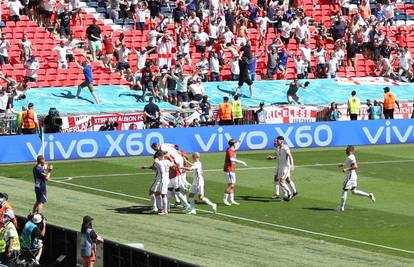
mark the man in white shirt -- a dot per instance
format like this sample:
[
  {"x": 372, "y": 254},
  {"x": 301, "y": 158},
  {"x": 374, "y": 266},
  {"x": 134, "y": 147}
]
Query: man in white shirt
[
  {"x": 214, "y": 67},
  {"x": 285, "y": 165},
  {"x": 123, "y": 65},
  {"x": 201, "y": 41},
  {"x": 405, "y": 63},
  {"x": 332, "y": 65},
  {"x": 152, "y": 38},
  {"x": 299, "y": 66},
  {"x": 194, "y": 23},
  {"x": 349, "y": 167},
  {"x": 301, "y": 32},
  {"x": 319, "y": 53},
  {"x": 32, "y": 66},
  {"x": 4, "y": 45},
  {"x": 202, "y": 66},
  {"x": 14, "y": 10},
  {"x": 228, "y": 35},
  {"x": 62, "y": 52},
  {"x": 306, "y": 55}
]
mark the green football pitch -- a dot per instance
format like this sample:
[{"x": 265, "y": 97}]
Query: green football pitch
[{"x": 260, "y": 232}]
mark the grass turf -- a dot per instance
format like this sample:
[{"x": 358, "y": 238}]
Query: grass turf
[{"x": 253, "y": 226}]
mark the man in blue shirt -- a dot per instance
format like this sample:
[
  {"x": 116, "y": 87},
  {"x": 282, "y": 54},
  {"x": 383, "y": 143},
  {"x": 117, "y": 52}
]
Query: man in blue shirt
[
  {"x": 283, "y": 59},
  {"x": 87, "y": 72},
  {"x": 41, "y": 173}
]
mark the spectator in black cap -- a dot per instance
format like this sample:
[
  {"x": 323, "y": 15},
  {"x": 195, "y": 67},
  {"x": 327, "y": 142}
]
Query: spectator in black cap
[{"x": 89, "y": 238}]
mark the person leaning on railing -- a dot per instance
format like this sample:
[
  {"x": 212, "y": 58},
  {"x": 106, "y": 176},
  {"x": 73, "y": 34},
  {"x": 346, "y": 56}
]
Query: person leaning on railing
[{"x": 31, "y": 237}]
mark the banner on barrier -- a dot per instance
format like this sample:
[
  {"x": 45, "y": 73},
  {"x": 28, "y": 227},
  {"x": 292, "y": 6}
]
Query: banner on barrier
[
  {"x": 291, "y": 114},
  {"x": 205, "y": 139}
]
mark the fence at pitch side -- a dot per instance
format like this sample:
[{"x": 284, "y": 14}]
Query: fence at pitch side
[{"x": 205, "y": 139}]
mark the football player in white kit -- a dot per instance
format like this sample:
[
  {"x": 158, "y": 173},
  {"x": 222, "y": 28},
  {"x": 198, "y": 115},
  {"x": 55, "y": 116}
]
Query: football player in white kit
[
  {"x": 160, "y": 185},
  {"x": 177, "y": 158},
  {"x": 349, "y": 168},
  {"x": 285, "y": 165},
  {"x": 197, "y": 188}
]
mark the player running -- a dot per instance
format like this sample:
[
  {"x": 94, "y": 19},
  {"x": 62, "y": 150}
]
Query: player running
[
  {"x": 178, "y": 160},
  {"x": 349, "y": 168},
  {"x": 197, "y": 188},
  {"x": 229, "y": 173},
  {"x": 285, "y": 165}
]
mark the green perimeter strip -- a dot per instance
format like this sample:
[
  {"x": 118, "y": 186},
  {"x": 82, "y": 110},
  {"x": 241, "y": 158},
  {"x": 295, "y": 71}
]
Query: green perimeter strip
[{"x": 197, "y": 239}]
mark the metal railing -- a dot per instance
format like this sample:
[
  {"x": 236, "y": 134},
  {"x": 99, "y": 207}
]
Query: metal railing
[{"x": 8, "y": 123}]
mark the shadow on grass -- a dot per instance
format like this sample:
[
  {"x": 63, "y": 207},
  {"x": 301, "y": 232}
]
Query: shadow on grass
[
  {"x": 319, "y": 209},
  {"x": 254, "y": 198},
  {"x": 144, "y": 210}
]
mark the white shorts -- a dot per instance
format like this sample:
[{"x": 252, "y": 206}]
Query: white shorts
[
  {"x": 174, "y": 183},
  {"x": 197, "y": 189},
  {"x": 283, "y": 173},
  {"x": 63, "y": 64},
  {"x": 241, "y": 40},
  {"x": 230, "y": 177},
  {"x": 159, "y": 186},
  {"x": 350, "y": 181}
]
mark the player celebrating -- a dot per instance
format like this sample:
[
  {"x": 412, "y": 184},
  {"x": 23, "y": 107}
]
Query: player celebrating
[
  {"x": 160, "y": 186},
  {"x": 349, "y": 168},
  {"x": 197, "y": 188},
  {"x": 229, "y": 173},
  {"x": 285, "y": 165}
]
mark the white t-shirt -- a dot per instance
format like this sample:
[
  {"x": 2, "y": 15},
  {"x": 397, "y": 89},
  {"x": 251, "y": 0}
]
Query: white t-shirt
[
  {"x": 163, "y": 170},
  {"x": 228, "y": 36},
  {"x": 71, "y": 45},
  {"x": 141, "y": 15},
  {"x": 15, "y": 8},
  {"x": 214, "y": 65},
  {"x": 31, "y": 68},
  {"x": 349, "y": 161},
  {"x": 3, "y": 48},
  {"x": 152, "y": 38},
  {"x": 234, "y": 66},
  {"x": 388, "y": 11},
  {"x": 332, "y": 65},
  {"x": 49, "y": 5},
  {"x": 74, "y": 4},
  {"x": 170, "y": 149},
  {"x": 339, "y": 54},
  {"x": 282, "y": 156},
  {"x": 299, "y": 66},
  {"x": 320, "y": 56},
  {"x": 301, "y": 31},
  {"x": 213, "y": 30},
  {"x": 244, "y": 5},
  {"x": 306, "y": 53},
  {"x": 141, "y": 59},
  {"x": 201, "y": 38},
  {"x": 198, "y": 179},
  {"x": 286, "y": 29},
  {"x": 62, "y": 51},
  {"x": 263, "y": 23},
  {"x": 194, "y": 23},
  {"x": 203, "y": 66},
  {"x": 404, "y": 61}
]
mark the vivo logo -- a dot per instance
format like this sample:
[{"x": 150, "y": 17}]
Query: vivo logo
[
  {"x": 303, "y": 136},
  {"x": 389, "y": 132},
  {"x": 124, "y": 144}
]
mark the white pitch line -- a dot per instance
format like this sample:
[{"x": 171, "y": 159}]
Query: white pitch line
[
  {"x": 240, "y": 169},
  {"x": 252, "y": 221}
]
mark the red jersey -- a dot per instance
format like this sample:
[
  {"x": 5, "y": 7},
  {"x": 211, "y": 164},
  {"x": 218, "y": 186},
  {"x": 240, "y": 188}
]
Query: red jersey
[{"x": 228, "y": 164}]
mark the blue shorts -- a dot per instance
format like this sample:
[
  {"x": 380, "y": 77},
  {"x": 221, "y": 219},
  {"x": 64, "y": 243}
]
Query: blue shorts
[{"x": 41, "y": 196}]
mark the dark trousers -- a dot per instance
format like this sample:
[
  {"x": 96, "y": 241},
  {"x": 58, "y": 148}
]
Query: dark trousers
[
  {"x": 226, "y": 122},
  {"x": 353, "y": 117},
  {"x": 388, "y": 114}
]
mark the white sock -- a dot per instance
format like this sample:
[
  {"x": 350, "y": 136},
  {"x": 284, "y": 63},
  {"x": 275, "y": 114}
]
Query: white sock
[
  {"x": 360, "y": 193},
  {"x": 292, "y": 185},
  {"x": 226, "y": 196},
  {"x": 343, "y": 199},
  {"x": 277, "y": 188},
  {"x": 177, "y": 199},
  {"x": 285, "y": 189},
  {"x": 153, "y": 202},
  {"x": 208, "y": 202},
  {"x": 192, "y": 202},
  {"x": 159, "y": 202},
  {"x": 184, "y": 197},
  {"x": 181, "y": 196},
  {"x": 165, "y": 203},
  {"x": 231, "y": 197}
]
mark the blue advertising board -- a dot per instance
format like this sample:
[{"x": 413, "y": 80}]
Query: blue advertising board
[{"x": 205, "y": 139}]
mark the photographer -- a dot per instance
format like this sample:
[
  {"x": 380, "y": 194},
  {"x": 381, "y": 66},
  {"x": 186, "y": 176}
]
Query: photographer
[
  {"x": 152, "y": 114},
  {"x": 42, "y": 173},
  {"x": 31, "y": 238}
]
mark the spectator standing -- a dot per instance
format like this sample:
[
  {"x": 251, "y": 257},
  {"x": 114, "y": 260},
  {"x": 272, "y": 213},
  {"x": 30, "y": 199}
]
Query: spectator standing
[
  {"x": 164, "y": 50},
  {"x": 272, "y": 58},
  {"x": 89, "y": 238},
  {"x": 234, "y": 68},
  {"x": 94, "y": 37},
  {"x": 26, "y": 49},
  {"x": 334, "y": 113},
  {"x": 140, "y": 15},
  {"x": 71, "y": 44},
  {"x": 388, "y": 12},
  {"x": 201, "y": 41},
  {"x": 32, "y": 66},
  {"x": 147, "y": 78},
  {"x": 182, "y": 86},
  {"x": 152, "y": 37},
  {"x": 61, "y": 50},
  {"x": 202, "y": 66},
  {"x": 14, "y": 10},
  {"x": 299, "y": 66},
  {"x": 319, "y": 54},
  {"x": 354, "y": 106},
  {"x": 205, "y": 109},
  {"x": 4, "y": 46},
  {"x": 32, "y": 234},
  {"x": 87, "y": 73},
  {"x": 109, "y": 51},
  {"x": 339, "y": 28},
  {"x": 389, "y": 104},
  {"x": 214, "y": 67},
  {"x": 123, "y": 65},
  {"x": 5, "y": 205},
  {"x": 332, "y": 66},
  {"x": 42, "y": 173},
  {"x": 260, "y": 115},
  {"x": 154, "y": 7},
  {"x": 152, "y": 114},
  {"x": 244, "y": 77},
  {"x": 64, "y": 23},
  {"x": 283, "y": 60},
  {"x": 9, "y": 239},
  {"x": 404, "y": 63},
  {"x": 237, "y": 111},
  {"x": 375, "y": 111},
  {"x": 29, "y": 124},
  {"x": 226, "y": 112},
  {"x": 306, "y": 55}
]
